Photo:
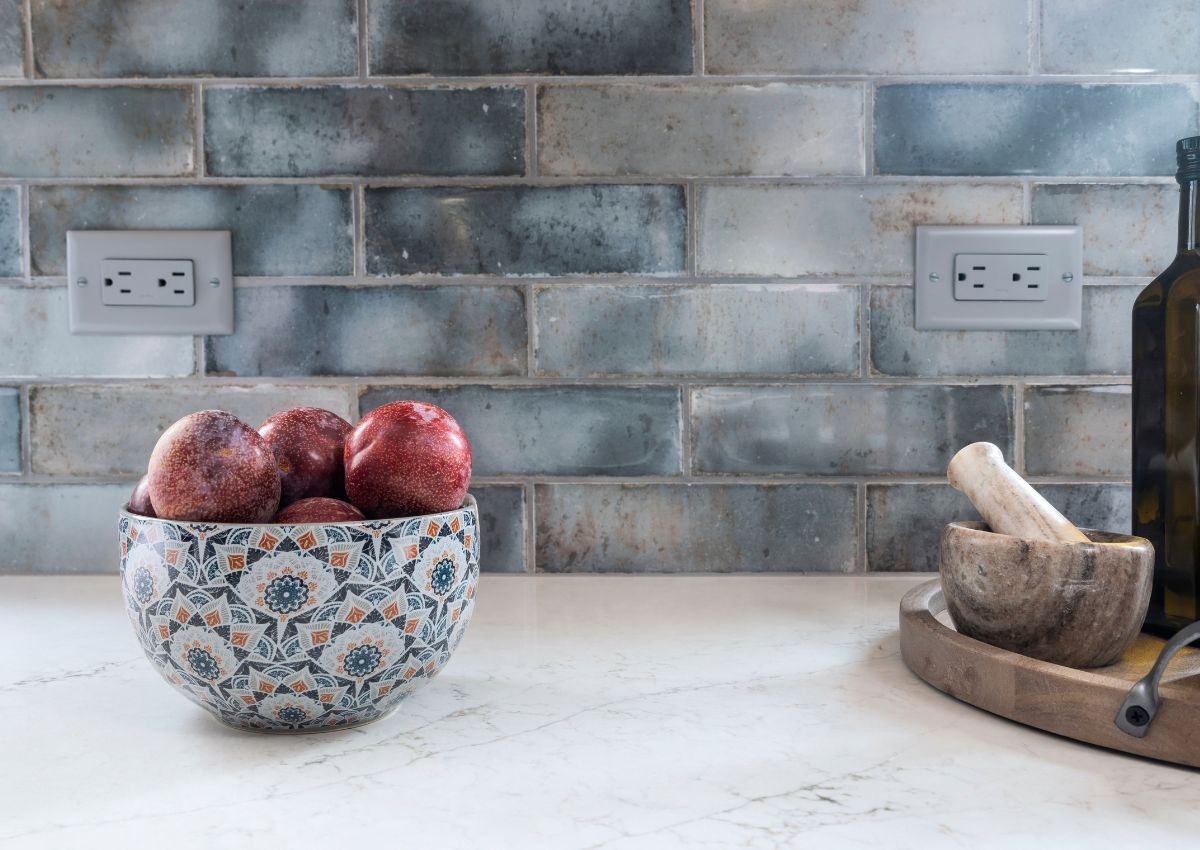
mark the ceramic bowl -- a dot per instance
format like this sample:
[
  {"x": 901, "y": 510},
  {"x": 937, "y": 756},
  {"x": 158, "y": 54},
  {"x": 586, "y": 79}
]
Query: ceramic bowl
[
  {"x": 1075, "y": 604},
  {"x": 300, "y": 628}
]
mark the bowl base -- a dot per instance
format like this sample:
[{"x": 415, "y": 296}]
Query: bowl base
[{"x": 318, "y": 731}]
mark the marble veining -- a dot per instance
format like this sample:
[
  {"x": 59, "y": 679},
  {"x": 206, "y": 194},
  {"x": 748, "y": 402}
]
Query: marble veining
[{"x": 579, "y": 712}]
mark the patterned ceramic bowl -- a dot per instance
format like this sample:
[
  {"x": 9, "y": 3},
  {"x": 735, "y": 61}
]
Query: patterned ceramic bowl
[{"x": 300, "y": 628}]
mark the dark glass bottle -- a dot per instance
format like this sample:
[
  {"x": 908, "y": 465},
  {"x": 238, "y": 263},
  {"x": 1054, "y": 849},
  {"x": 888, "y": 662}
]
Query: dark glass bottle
[{"x": 1166, "y": 415}]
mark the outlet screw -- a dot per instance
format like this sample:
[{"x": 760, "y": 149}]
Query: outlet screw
[
  {"x": 81, "y": 281},
  {"x": 1137, "y": 716},
  {"x": 215, "y": 282},
  {"x": 1068, "y": 277},
  {"x": 934, "y": 277}
]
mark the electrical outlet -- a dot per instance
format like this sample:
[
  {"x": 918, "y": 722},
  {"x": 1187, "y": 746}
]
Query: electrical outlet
[
  {"x": 999, "y": 277},
  {"x": 150, "y": 281}
]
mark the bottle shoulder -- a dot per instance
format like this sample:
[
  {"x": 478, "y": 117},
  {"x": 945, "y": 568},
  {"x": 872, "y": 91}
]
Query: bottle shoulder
[{"x": 1181, "y": 279}]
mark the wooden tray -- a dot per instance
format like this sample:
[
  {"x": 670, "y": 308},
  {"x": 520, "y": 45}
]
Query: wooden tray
[{"x": 1077, "y": 704}]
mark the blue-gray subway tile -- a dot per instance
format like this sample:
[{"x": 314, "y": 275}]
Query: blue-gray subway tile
[
  {"x": 176, "y": 38},
  {"x": 60, "y": 528},
  {"x": 376, "y": 330},
  {"x": 844, "y": 429},
  {"x": 10, "y": 233},
  {"x": 501, "y": 527},
  {"x": 277, "y": 230},
  {"x": 866, "y": 37},
  {"x": 600, "y": 430},
  {"x": 1128, "y": 228},
  {"x": 1120, "y": 37},
  {"x": 905, "y": 521},
  {"x": 845, "y": 229},
  {"x": 530, "y": 36},
  {"x": 1016, "y": 128},
  {"x": 10, "y": 429},
  {"x": 713, "y": 329},
  {"x": 695, "y": 528},
  {"x": 363, "y": 130},
  {"x": 526, "y": 230},
  {"x": 707, "y": 130},
  {"x": 56, "y": 131},
  {"x": 12, "y": 39},
  {"x": 111, "y": 429},
  {"x": 1100, "y": 347},
  {"x": 36, "y": 341},
  {"x": 1078, "y": 430}
]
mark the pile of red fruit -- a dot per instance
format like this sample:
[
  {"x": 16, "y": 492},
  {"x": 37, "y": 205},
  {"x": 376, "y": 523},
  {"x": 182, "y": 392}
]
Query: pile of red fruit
[{"x": 307, "y": 465}]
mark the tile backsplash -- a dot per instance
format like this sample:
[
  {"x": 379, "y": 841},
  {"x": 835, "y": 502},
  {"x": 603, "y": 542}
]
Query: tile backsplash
[{"x": 654, "y": 255}]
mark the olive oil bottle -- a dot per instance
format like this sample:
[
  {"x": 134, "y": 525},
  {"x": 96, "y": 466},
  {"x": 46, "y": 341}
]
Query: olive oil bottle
[{"x": 1166, "y": 415}]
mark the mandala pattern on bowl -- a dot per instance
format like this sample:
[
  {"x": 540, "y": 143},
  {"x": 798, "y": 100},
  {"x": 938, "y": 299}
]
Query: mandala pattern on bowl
[{"x": 300, "y": 627}]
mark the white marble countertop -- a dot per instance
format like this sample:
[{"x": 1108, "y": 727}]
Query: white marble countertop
[{"x": 580, "y": 712}]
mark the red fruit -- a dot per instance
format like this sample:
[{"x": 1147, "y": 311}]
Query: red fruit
[
  {"x": 139, "y": 500},
  {"x": 319, "y": 509},
  {"x": 407, "y": 458},
  {"x": 213, "y": 467},
  {"x": 307, "y": 442}
]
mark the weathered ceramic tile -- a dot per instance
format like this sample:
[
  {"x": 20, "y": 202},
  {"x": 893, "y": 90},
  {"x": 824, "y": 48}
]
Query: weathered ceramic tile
[
  {"x": 695, "y": 528},
  {"x": 384, "y": 330},
  {"x": 905, "y": 521},
  {"x": 692, "y": 129},
  {"x": 55, "y": 131},
  {"x": 60, "y": 528},
  {"x": 526, "y": 230},
  {"x": 363, "y": 130},
  {"x": 10, "y": 429},
  {"x": 960, "y": 128},
  {"x": 110, "y": 429},
  {"x": 1128, "y": 229},
  {"x": 714, "y": 329},
  {"x": 1100, "y": 347},
  {"x": 844, "y": 429},
  {"x": 277, "y": 230},
  {"x": 222, "y": 38},
  {"x": 530, "y": 36},
  {"x": 1116, "y": 36},
  {"x": 35, "y": 341},
  {"x": 501, "y": 527},
  {"x": 849, "y": 229},
  {"x": 602, "y": 430},
  {"x": 865, "y": 37},
  {"x": 12, "y": 39},
  {"x": 1074, "y": 430},
  {"x": 10, "y": 233}
]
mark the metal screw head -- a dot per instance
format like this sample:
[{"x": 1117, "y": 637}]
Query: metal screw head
[
  {"x": 1137, "y": 716},
  {"x": 214, "y": 282},
  {"x": 81, "y": 281},
  {"x": 934, "y": 277},
  {"x": 1068, "y": 277}
]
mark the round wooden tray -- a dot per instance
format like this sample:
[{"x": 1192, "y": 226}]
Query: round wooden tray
[{"x": 1079, "y": 704}]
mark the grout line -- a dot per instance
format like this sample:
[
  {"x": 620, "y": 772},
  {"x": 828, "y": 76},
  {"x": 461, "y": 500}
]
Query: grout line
[
  {"x": 868, "y": 123},
  {"x": 686, "y": 431},
  {"x": 201, "y": 153},
  {"x": 531, "y": 131},
  {"x": 530, "y": 292},
  {"x": 27, "y": 39},
  {"x": 864, "y": 331},
  {"x": 1027, "y": 201},
  {"x": 1035, "y": 37},
  {"x": 26, "y": 431},
  {"x": 1019, "y": 427},
  {"x": 862, "y": 562},
  {"x": 361, "y": 59},
  {"x": 691, "y": 203},
  {"x": 200, "y": 365},
  {"x": 26, "y": 224},
  {"x": 530, "y": 518},
  {"x": 699, "y": 62},
  {"x": 359, "y": 238}
]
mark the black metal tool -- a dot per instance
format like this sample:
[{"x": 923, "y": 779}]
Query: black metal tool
[{"x": 1140, "y": 707}]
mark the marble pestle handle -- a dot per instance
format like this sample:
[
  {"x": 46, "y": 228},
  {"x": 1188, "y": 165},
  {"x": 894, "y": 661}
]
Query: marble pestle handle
[{"x": 1004, "y": 499}]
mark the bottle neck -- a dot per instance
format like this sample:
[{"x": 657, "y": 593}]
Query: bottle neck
[{"x": 1189, "y": 216}]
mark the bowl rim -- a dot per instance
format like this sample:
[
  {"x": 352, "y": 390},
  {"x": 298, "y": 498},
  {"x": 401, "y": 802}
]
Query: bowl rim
[
  {"x": 980, "y": 530},
  {"x": 469, "y": 504}
]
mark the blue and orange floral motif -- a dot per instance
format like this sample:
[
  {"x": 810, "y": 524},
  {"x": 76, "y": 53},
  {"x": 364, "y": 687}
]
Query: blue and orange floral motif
[{"x": 300, "y": 628}]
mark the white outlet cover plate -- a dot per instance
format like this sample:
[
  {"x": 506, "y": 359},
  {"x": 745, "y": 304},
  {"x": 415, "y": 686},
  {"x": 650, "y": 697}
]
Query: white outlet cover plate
[
  {"x": 938, "y": 309},
  {"x": 211, "y": 257}
]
